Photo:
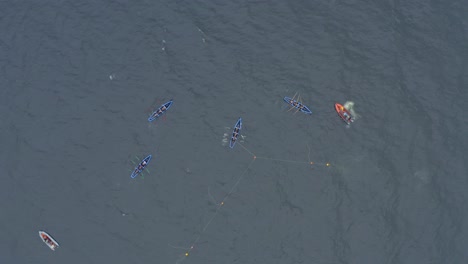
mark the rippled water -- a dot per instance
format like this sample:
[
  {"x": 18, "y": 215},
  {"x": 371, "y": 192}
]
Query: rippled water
[{"x": 79, "y": 79}]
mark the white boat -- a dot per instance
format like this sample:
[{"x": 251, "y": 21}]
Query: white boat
[{"x": 48, "y": 240}]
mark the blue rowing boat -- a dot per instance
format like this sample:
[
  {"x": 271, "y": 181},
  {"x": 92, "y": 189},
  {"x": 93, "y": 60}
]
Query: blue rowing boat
[
  {"x": 298, "y": 105},
  {"x": 235, "y": 133},
  {"x": 161, "y": 110},
  {"x": 138, "y": 169}
]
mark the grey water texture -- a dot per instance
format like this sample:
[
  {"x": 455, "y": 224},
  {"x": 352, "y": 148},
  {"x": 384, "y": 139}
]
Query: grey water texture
[{"x": 78, "y": 80}]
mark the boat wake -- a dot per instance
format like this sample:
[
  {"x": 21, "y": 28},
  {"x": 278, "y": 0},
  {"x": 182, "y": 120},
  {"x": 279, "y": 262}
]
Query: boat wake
[{"x": 349, "y": 105}]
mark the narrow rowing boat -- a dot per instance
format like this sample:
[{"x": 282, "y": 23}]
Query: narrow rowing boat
[
  {"x": 138, "y": 169},
  {"x": 235, "y": 133},
  {"x": 298, "y": 105},
  {"x": 161, "y": 110}
]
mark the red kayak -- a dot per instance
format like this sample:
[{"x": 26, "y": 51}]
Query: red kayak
[{"x": 344, "y": 113}]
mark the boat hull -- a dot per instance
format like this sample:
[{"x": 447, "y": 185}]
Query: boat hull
[
  {"x": 304, "y": 109},
  {"x": 48, "y": 240},
  {"x": 137, "y": 171},
  {"x": 341, "y": 110},
  {"x": 235, "y": 133},
  {"x": 160, "y": 112}
]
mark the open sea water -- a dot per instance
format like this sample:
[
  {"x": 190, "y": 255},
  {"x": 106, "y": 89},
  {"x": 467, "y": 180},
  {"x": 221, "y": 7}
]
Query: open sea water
[{"x": 78, "y": 80}]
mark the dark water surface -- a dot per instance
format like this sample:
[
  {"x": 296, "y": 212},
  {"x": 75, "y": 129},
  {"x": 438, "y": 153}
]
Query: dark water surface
[{"x": 78, "y": 80}]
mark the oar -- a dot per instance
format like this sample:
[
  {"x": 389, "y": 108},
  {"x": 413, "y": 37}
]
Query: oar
[
  {"x": 137, "y": 161},
  {"x": 299, "y": 103},
  {"x": 294, "y": 97}
]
